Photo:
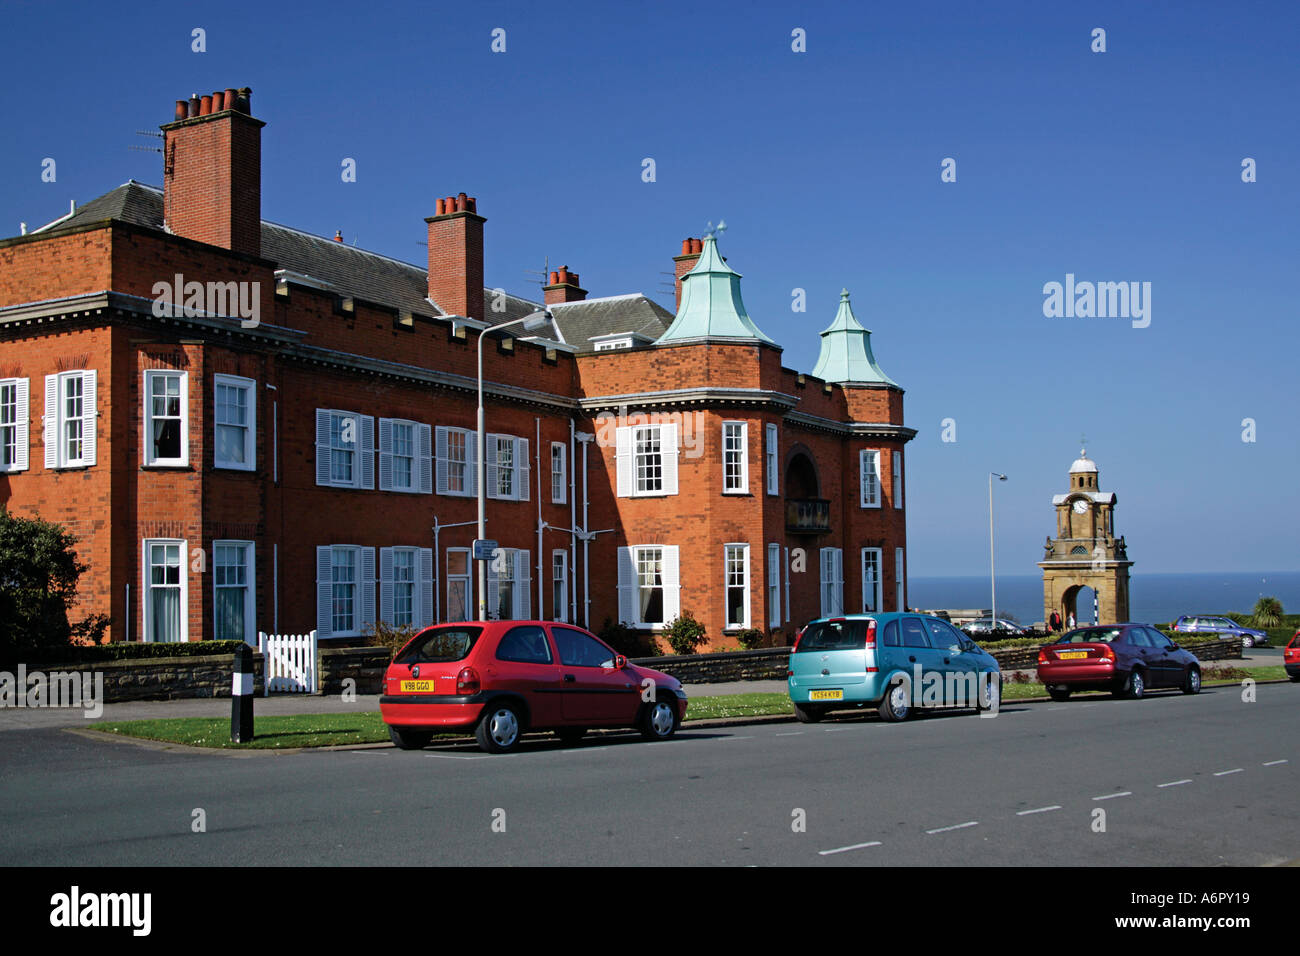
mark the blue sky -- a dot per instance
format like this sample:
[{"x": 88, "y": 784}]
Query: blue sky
[{"x": 1115, "y": 166}]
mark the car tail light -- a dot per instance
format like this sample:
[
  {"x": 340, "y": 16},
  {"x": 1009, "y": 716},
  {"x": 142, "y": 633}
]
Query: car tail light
[
  {"x": 1107, "y": 652},
  {"x": 1042, "y": 655},
  {"x": 871, "y": 635},
  {"x": 467, "y": 682}
]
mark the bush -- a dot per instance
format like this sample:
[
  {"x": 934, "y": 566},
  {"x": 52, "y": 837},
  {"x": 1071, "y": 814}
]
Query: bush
[
  {"x": 684, "y": 633},
  {"x": 39, "y": 568},
  {"x": 750, "y": 638},
  {"x": 131, "y": 651},
  {"x": 381, "y": 634},
  {"x": 627, "y": 641},
  {"x": 1267, "y": 613}
]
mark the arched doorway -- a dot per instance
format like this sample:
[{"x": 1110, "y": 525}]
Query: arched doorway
[
  {"x": 801, "y": 476},
  {"x": 1083, "y": 602}
]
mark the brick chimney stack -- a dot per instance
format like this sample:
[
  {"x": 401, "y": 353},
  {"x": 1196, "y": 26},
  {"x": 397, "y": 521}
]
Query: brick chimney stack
[
  {"x": 212, "y": 171},
  {"x": 563, "y": 287},
  {"x": 691, "y": 249},
  {"x": 456, "y": 256}
]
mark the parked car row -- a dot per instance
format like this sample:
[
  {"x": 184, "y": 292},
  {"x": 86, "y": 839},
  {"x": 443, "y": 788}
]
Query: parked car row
[
  {"x": 1224, "y": 627},
  {"x": 499, "y": 679}
]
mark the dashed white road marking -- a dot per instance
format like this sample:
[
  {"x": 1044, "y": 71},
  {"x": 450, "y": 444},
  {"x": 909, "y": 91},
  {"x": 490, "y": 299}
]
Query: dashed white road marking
[
  {"x": 1025, "y": 813},
  {"x": 459, "y": 756},
  {"x": 1224, "y": 773},
  {"x": 735, "y": 738},
  {"x": 1173, "y": 783},
  {"x": 1274, "y": 763},
  {"x": 835, "y": 730},
  {"x": 846, "y": 849},
  {"x": 1112, "y": 796},
  {"x": 959, "y": 826},
  {"x": 795, "y": 734}
]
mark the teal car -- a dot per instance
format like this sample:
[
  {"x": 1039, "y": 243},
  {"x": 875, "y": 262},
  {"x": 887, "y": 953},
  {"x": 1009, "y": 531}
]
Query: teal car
[{"x": 892, "y": 662}]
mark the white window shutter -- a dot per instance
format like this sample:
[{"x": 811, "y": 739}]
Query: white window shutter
[
  {"x": 440, "y": 458},
  {"x": 493, "y": 591},
  {"x": 367, "y": 575},
  {"x": 385, "y": 456},
  {"x": 424, "y": 446},
  {"x": 839, "y": 581},
  {"x": 471, "y": 456},
  {"x": 322, "y": 447},
  {"x": 89, "y": 414},
  {"x": 898, "y": 479},
  {"x": 24, "y": 413},
  {"x": 668, "y": 446},
  {"x": 366, "y": 451},
  {"x": 425, "y": 615},
  {"x": 490, "y": 453},
  {"x": 324, "y": 592},
  {"x": 672, "y": 582},
  {"x": 521, "y": 469},
  {"x": 629, "y": 608},
  {"x": 51, "y": 421},
  {"x": 386, "y": 585},
  {"x": 623, "y": 462},
  {"x": 523, "y": 586}
]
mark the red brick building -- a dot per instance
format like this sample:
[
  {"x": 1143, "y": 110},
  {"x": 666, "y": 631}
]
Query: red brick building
[{"x": 252, "y": 428}]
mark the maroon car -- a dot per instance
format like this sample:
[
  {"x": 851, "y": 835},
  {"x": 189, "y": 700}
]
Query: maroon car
[
  {"x": 1127, "y": 659},
  {"x": 499, "y": 679}
]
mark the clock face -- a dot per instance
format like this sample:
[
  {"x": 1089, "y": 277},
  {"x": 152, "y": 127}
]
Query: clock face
[{"x": 1081, "y": 507}]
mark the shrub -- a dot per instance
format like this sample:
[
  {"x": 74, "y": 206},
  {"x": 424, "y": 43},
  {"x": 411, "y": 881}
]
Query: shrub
[
  {"x": 628, "y": 641},
  {"x": 1267, "y": 613},
  {"x": 382, "y": 634},
  {"x": 131, "y": 651},
  {"x": 750, "y": 638},
  {"x": 684, "y": 633},
  {"x": 40, "y": 569}
]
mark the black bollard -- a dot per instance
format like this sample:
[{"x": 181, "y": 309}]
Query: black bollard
[{"x": 241, "y": 696}]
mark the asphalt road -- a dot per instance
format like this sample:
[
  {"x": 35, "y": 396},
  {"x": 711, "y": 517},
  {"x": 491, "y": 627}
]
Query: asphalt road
[{"x": 1181, "y": 780}]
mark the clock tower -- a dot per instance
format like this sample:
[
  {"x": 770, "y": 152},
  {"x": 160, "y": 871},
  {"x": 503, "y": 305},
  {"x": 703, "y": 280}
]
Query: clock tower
[{"x": 1085, "y": 551}]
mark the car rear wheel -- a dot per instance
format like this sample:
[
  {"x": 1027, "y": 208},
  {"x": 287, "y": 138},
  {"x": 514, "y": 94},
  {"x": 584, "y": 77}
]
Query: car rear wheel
[
  {"x": 808, "y": 714},
  {"x": 895, "y": 706},
  {"x": 659, "y": 721},
  {"x": 1135, "y": 686},
  {"x": 499, "y": 728},
  {"x": 1247, "y": 642},
  {"x": 1057, "y": 692},
  {"x": 1192, "y": 685},
  {"x": 409, "y": 739}
]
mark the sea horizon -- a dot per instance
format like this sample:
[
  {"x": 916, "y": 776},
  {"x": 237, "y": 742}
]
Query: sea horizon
[{"x": 1155, "y": 597}]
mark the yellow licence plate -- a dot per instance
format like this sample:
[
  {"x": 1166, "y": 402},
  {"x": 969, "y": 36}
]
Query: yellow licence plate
[
  {"x": 417, "y": 687},
  {"x": 1071, "y": 655},
  {"x": 826, "y": 695}
]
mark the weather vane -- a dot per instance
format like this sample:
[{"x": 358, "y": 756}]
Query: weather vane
[
  {"x": 1083, "y": 440},
  {"x": 714, "y": 230}
]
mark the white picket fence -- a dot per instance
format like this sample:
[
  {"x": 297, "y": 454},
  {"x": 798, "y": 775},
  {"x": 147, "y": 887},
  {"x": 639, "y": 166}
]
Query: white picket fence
[{"x": 290, "y": 662}]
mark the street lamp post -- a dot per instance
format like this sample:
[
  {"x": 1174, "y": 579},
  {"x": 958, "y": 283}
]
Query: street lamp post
[
  {"x": 993, "y": 581},
  {"x": 532, "y": 322}
]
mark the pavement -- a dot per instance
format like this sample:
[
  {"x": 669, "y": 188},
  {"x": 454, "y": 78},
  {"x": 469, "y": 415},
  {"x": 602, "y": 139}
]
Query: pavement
[{"x": 288, "y": 704}]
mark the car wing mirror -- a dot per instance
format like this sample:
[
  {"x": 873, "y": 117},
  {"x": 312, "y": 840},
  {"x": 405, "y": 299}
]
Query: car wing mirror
[{"x": 620, "y": 662}]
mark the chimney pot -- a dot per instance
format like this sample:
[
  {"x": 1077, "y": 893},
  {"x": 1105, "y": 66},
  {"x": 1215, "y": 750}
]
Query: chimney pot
[
  {"x": 564, "y": 275},
  {"x": 205, "y": 105},
  {"x": 471, "y": 204},
  {"x": 439, "y": 208},
  {"x": 194, "y": 104},
  {"x": 555, "y": 277},
  {"x": 231, "y": 98},
  {"x": 246, "y": 100},
  {"x": 182, "y": 109},
  {"x": 697, "y": 246},
  {"x": 338, "y": 235},
  {"x": 686, "y": 247}
]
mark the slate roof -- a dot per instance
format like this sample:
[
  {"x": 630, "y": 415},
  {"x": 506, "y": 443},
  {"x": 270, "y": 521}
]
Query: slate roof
[{"x": 383, "y": 280}]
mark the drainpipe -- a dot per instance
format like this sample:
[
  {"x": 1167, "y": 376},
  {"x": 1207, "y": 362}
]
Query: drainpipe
[
  {"x": 537, "y": 457},
  {"x": 585, "y": 438},
  {"x": 573, "y": 524}
]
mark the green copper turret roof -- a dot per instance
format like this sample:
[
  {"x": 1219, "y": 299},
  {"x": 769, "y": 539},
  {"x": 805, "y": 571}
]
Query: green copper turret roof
[
  {"x": 711, "y": 306},
  {"x": 846, "y": 351}
]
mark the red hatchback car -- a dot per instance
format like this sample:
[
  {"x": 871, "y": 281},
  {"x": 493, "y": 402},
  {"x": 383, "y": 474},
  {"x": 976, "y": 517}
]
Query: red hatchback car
[
  {"x": 1291, "y": 657},
  {"x": 499, "y": 679},
  {"x": 1127, "y": 659}
]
